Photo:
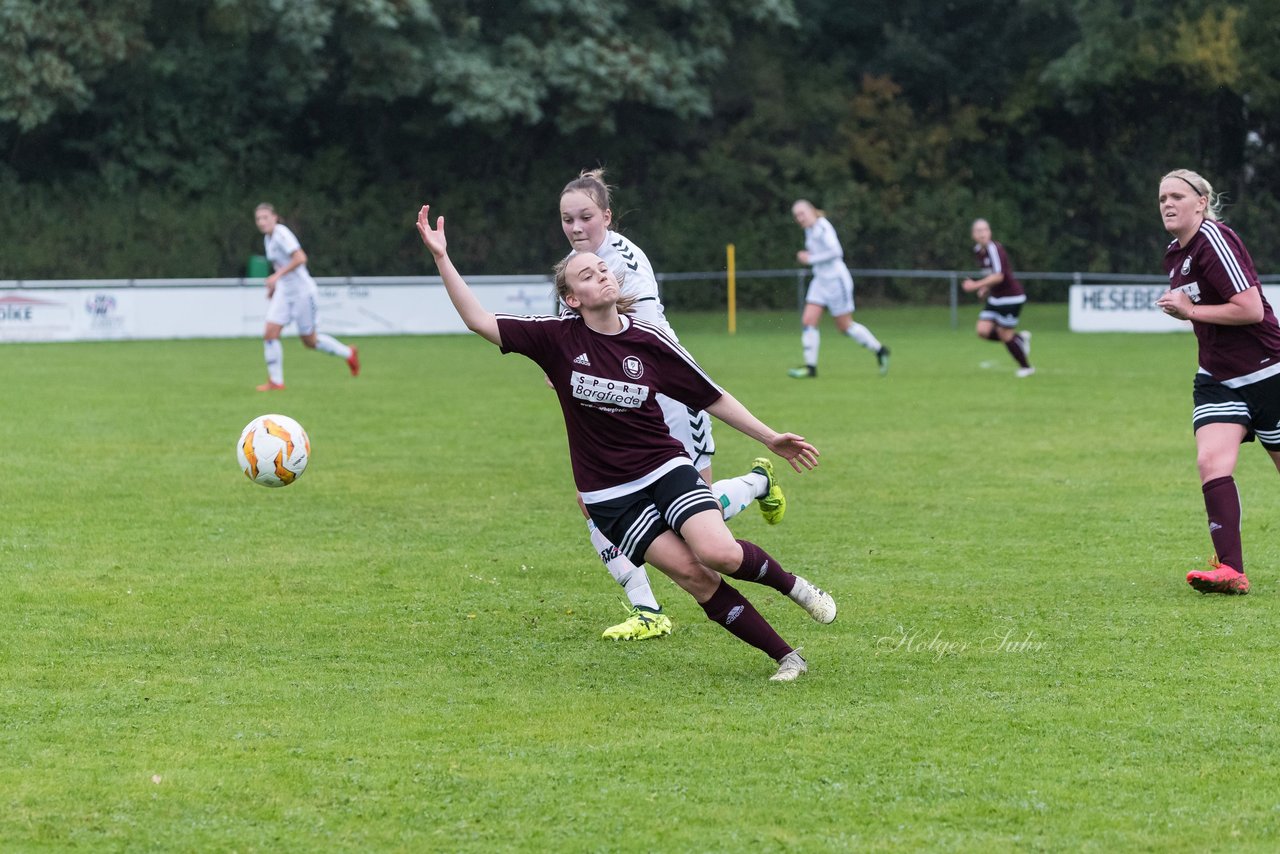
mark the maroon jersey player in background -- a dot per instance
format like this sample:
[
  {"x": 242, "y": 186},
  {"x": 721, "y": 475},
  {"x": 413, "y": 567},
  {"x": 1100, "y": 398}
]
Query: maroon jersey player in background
[
  {"x": 638, "y": 484},
  {"x": 1213, "y": 284},
  {"x": 1004, "y": 295}
]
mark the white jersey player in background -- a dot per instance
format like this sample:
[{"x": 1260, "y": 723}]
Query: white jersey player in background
[
  {"x": 831, "y": 289},
  {"x": 291, "y": 293},
  {"x": 586, "y": 217}
]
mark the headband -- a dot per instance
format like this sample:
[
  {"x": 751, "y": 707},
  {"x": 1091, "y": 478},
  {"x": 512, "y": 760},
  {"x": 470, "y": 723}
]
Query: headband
[{"x": 1189, "y": 184}]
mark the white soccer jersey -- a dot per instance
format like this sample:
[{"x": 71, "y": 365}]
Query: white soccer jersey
[
  {"x": 631, "y": 266},
  {"x": 826, "y": 255},
  {"x": 280, "y": 245}
]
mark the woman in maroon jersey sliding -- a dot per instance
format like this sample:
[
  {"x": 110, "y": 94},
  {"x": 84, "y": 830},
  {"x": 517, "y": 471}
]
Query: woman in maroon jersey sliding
[
  {"x": 638, "y": 484},
  {"x": 1213, "y": 284}
]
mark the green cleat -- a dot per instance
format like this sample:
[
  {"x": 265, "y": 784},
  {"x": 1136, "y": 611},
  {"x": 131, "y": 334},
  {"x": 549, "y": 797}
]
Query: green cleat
[
  {"x": 773, "y": 504},
  {"x": 639, "y": 625},
  {"x": 803, "y": 373}
]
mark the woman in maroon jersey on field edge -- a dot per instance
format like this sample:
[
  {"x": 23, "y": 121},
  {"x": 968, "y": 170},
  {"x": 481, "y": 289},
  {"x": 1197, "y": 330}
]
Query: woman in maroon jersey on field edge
[
  {"x": 638, "y": 484},
  {"x": 1213, "y": 284}
]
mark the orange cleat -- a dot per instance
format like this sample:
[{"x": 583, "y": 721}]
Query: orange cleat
[
  {"x": 270, "y": 386},
  {"x": 1220, "y": 579},
  {"x": 353, "y": 362}
]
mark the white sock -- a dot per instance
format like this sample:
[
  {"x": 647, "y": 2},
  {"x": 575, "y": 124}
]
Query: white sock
[
  {"x": 863, "y": 336},
  {"x": 329, "y": 344},
  {"x": 736, "y": 493},
  {"x": 274, "y": 354},
  {"x": 634, "y": 580},
  {"x": 809, "y": 340}
]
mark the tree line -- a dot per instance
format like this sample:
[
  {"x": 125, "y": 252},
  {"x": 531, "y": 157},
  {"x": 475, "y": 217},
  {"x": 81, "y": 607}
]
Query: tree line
[{"x": 137, "y": 135}]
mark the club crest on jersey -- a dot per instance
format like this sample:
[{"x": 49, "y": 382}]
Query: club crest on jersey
[
  {"x": 1186, "y": 265},
  {"x": 633, "y": 367}
]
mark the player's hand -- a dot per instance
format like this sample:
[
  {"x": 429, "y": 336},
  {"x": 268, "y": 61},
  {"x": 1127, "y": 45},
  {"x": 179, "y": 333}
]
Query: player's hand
[
  {"x": 432, "y": 237},
  {"x": 969, "y": 286},
  {"x": 803, "y": 256},
  {"x": 794, "y": 449},
  {"x": 982, "y": 292},
  {"x": 271, "y": 282},
  {"x": 1176, "y": 304}
]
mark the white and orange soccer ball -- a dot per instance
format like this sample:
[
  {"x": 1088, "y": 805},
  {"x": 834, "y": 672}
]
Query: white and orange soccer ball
[{"x": 273, "y": 450}]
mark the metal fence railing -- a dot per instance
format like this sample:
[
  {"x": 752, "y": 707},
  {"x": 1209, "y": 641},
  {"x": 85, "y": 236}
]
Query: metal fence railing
[{"x": 950, "y": 278}]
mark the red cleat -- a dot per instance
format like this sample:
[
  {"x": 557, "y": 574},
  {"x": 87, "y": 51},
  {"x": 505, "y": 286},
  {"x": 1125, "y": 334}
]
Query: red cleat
[
  {"x": 1220, "y": 579},
  {"x": 353, "y": 362},
  {"x": 270, "y": 386}
]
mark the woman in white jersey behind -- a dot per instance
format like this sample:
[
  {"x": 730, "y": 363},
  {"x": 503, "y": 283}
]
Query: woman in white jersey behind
[
  {"x": 586, "y": 217},
  {"x": 831, "y": 289},
  {"x": 292, "y": 298}
]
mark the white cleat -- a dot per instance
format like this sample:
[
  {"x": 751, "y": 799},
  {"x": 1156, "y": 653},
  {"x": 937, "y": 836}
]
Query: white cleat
[
  {"x": 790, "y": 668},
  {"x": 817, "y": 602},
  {"x": 1023, "y": 373},
  {"x": 1025, "y": 338}
]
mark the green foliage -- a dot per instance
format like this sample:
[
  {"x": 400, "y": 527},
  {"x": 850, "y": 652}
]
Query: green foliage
[
  {"x": 1052, "y": 118},
  {"x": 401, "y": 651},
  {"x": 53, "y": 52}
]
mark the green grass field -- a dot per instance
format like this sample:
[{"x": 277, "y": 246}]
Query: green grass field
[{"x": 401, "y": 651}]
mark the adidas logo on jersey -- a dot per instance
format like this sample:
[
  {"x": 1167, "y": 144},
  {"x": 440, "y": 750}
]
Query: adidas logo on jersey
[{"x": 582, "y": 360}]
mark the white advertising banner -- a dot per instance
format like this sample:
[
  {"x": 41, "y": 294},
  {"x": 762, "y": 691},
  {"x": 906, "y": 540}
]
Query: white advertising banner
[
  {"x": 1129, "y": 308},
  {"x": 123, "y": 310}
]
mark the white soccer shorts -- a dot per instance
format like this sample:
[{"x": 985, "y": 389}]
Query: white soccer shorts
[
  {"x": 299, "y": 308},
  {"x": 833, "y": 292}
]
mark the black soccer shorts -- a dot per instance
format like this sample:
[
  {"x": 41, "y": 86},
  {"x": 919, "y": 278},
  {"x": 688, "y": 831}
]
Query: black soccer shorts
[
  {"x": 633, "y": 521},
  {"x": 1003, "y": 315},
  {"x": 1256, "y": 406}
]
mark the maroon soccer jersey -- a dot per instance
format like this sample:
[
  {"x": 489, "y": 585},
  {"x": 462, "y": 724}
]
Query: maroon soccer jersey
[
  {"x": 993, "y": 259},
  {"x": 607, "y": 386},
  {"x": 1213, "y": 267}
]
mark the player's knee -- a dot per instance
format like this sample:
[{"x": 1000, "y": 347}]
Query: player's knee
[
  {"x": 1210, "y": 463},
  {"x": 723, "y": 557},
  {"x": 1213, "y": 461}
]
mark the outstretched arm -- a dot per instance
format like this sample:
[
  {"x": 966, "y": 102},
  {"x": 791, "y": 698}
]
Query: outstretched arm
[
  {"x": 475, "y": 316},
  {"x": 792, "y": 448}
]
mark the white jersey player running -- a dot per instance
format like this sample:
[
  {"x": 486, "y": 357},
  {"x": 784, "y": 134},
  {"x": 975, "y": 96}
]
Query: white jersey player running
[
  {"x": 291, "y": 293},
  {"x": 831, "y": 289},
  {"x": 586, "y": 217}
]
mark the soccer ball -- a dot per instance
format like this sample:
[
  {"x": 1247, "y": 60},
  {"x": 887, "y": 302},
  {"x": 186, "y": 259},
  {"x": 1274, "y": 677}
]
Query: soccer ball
[{"x": 273, "y": 450}]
